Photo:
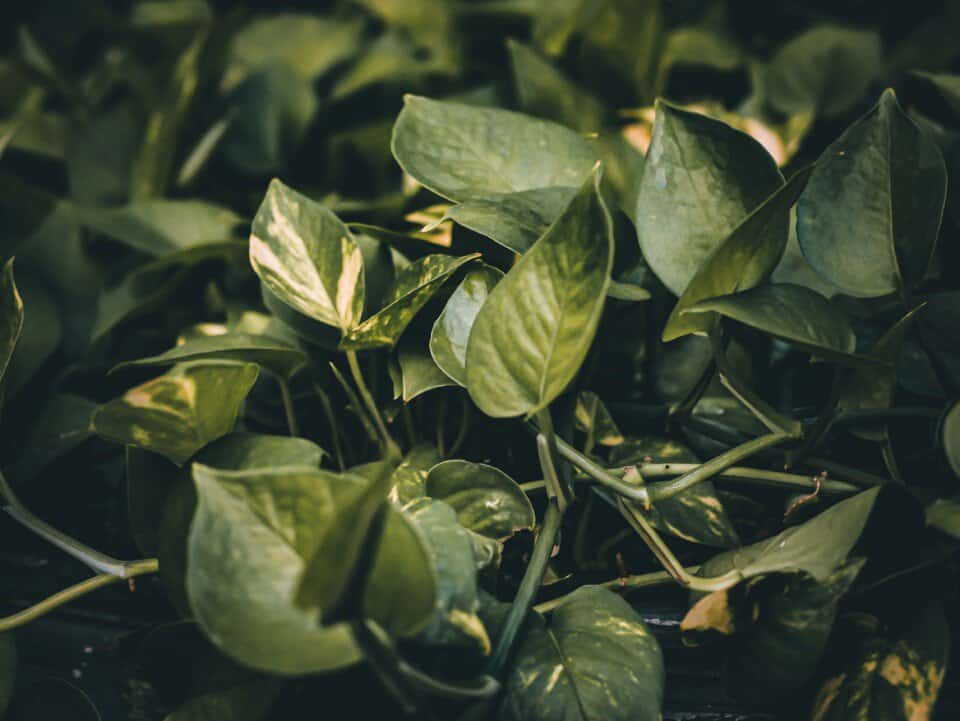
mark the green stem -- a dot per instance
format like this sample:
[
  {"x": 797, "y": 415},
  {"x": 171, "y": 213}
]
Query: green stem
[
  {"x": 60, "y": 598},
  {"x": 662, "y": 551},
  {"x": 705, "y": 471},
  {"x": 601, "y": 475},
  {"x": 96, "y": 560},
  {"x": 464, "y": 428},
  {"x": 754, "y": 476},
  {"x": 332, "y": 422},
  {"x": 628, "y": 583},
  {"x": 769, "y": 416},
  {"x": 383, "y": 661},
  {"x": 288, "y": 408},
  {"x": 356, "y": 404},
  {"x": 529, "y": 587},
  {"x": 386, "y": 441}
]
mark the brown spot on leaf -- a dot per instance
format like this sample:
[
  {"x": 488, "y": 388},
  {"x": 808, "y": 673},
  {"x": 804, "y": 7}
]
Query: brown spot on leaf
[{"x": 710, "y": 614}]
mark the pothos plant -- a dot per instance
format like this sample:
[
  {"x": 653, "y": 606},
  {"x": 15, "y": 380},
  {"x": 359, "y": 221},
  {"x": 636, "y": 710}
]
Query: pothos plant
[{"x": 450, "y": 504}]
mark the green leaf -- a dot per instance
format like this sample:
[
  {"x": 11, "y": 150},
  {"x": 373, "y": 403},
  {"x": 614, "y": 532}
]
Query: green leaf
[
  {"x": 486, "y": 500},
  {"x": 744, "y": 260},
  {"x": 535, "y": 329},
  {"x": 51, "y": 698},
  {"x": 8, "y": 670},
  {"x": 700, "y": 47},
  {"x": 414, "y": 287},
  {"x": 309, "y": 44},
  {"x": 822, "y": 544},
  {"x": 873, "y": 386},
  {"x": 461, "y": 152},
  {"x": 419, "y": 373},
  {"x": 869, "y": 217},
  {"x": 272, "y": 354},
  {"x": 11, "y": 317},
  {"x": 514, "y": 220},
  {"x": 451, "y": 331},
  {"x": 455, "y": 620},
  {"x": 776, "y": 628},
  {"x": 409, "y": 480},
  {"x": 950, "y": 437},
  {"x": 792, "y": 313},
  {"x": 592, "y": 659},
  {"x": 696, "y": 515},
  {"x": 160, "y": 227},
  {"x": 948, "y": 86},
  {"x": 58, "y": 426},
  {"x": 826, "y": 69},
  {"x": 888, "y": 677},
  {"x": 179, "y": 413},
  {"x": 700, "y": 180},
  {"x": 41, "y": 335},
  {"x": 307, "y": 257},
  {"x": 944, "y": 515},
  {"x": 592, "y": 417},
  {"x": 250, "y": 541},
  {"x": 544, "y": 91}
]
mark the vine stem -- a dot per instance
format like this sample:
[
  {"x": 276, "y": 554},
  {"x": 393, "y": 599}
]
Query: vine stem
[
  {"x": 671, "y": 564},
  {"x": 718, "y": 464},
  {"x": 96, "y": 560},
  {"x": 138, "y": 568},
  {"x": 386, "y": 440},
  {"x": 529, "y": 586},
  {"x": 600, "y": 474},
  {"x": 332, "y": 422},
  {"x": 753, "y": 476},
  {"x": 624, "y": 584},
  {"x": 288, "y": 408}
]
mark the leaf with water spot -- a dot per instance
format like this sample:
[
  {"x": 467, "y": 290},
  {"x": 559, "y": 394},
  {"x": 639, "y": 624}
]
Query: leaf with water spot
[
  {"x": 307, "y": 257},
  {"x": 415, "y": 285},
  {"x": 700, "y": 180},
  {"x": 462, "y": 152},
  {"x": 536, "y": 326},
  {"x": 486, "y": 500},
  {"x": 179, "y": 413},
  {"x": 591, "y": 659},
  {"x": 869, "y": 218}
]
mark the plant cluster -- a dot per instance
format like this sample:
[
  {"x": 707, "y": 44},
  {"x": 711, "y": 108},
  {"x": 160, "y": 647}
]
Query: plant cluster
[{"x": 413, "y": 426}]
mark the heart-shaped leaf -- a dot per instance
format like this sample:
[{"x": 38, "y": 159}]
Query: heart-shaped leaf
[
  {"x": 776, "y": 629},
  {"x": 888, "y": 676},
  {"x": 272, "y": 354},
  {"x": 944, "y": 515},
  {"x": 486, "y": 500},
  {"x": 462, "y": 152},
  {"x": 251, "y": 537},
  {"x": 307, "y": 257},
  {"x": 592, "y": 659},
  {"x": 415, "y": 285},
  {"x": 700, "y": 180},
  {"x": 792, "y": 313},
  {"x": 826, "y": 69},
  {"x": 869, "y": 217},
  {"x": 455, "y": 620},
  {"x": 179, "y": 413},
  {"x": 745, "y": 259},
  {"x": 409, "y": 480},
  {"x": 536, "y": 326},
  {"x": 451, "y": 331}
]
